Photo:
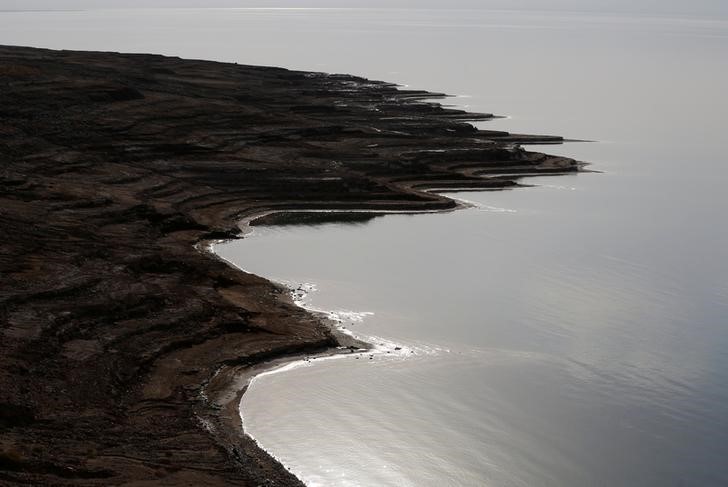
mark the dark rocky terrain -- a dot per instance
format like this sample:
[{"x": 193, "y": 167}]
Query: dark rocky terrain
[{"x": 121, "y": 339}]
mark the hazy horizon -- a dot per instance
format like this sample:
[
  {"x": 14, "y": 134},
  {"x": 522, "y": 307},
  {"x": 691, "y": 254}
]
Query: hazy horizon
[{"x": 656, "y": 7}]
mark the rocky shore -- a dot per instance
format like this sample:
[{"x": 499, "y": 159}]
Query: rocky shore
[{"x": 122, "y": 341}]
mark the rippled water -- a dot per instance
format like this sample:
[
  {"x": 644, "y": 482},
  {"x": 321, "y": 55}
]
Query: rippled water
[{"x": 569, "y": 334}]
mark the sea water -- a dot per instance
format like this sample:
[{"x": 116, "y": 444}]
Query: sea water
[{"x": 574, "y": 333}]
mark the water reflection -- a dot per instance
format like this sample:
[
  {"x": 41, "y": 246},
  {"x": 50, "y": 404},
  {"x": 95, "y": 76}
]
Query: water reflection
[{"x": 554, "y": 359}]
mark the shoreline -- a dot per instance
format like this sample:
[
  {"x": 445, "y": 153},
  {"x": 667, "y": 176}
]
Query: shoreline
[
  {"x": 229, "y": 386},
  {"x": 235, "y": 382},
  {"x": 121, "y": 335}
]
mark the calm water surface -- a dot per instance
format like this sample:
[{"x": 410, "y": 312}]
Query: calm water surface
[{"x": 569, "y": 334}]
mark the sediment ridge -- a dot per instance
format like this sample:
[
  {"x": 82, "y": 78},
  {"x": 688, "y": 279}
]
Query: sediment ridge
[{"x": 121, "y": 339}]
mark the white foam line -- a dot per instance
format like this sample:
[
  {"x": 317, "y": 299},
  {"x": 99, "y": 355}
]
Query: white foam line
[
  {"x": 342, "y": 319},
  {"x": 496, "y": 209}
]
